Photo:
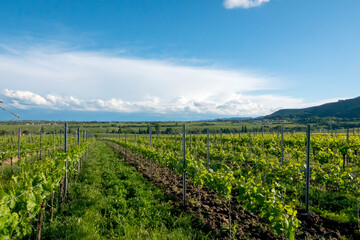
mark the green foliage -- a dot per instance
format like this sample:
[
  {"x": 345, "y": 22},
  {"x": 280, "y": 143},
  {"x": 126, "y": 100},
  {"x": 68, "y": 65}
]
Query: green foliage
[
  {"x": 21, "y": 197},
  {"x": 250, "y": 164},
  {"x": 113, "y": 201}
]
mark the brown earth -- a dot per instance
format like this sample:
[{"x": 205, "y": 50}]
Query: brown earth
[
  {"x": 8, "y": 161},
  {"x": 317, "y": 227},
  {"x": 204, "y": 204},
  {"x": 15, "y": 159}
]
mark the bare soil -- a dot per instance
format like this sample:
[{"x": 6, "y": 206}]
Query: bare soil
[{"x": 219, "y": 215}]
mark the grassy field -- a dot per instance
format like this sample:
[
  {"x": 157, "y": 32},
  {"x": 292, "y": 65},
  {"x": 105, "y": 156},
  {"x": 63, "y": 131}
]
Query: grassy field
[
  {"x": 111, "y": 200},
  {"x": 163, "y": 127}
]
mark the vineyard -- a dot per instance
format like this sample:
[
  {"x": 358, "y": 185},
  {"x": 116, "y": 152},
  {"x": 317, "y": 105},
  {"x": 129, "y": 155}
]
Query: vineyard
[
  {"x": 245, "y": 185},
  {"x": 266, "y": 174},
  {"x": 38, "y": 177}
]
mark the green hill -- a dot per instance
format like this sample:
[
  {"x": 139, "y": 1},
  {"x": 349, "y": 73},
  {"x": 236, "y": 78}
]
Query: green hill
[{"x": 349, "y": 108}]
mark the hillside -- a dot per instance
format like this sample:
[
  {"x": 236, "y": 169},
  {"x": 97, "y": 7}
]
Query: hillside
[{"x": 349, "y": 108}]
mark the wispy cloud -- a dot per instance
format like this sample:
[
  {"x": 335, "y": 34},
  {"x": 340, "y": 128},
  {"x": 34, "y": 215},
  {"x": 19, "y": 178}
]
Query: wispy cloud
[
  {"x": 99, "y": 74},
  {"x": 229, "y": 4},
  {"x": 56, "y": 78},
  {"x": 230, "y": 105}
]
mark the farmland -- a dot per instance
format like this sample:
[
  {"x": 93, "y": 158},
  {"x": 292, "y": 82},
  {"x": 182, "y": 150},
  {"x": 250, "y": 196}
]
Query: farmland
[
  {"x": 226, "y": 119},
  {"x": 264, "y": 174},
  {"x": 185, "y": 184}
]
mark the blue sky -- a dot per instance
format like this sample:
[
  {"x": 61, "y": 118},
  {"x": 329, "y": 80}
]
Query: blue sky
[{"x": 181, "y": 59}]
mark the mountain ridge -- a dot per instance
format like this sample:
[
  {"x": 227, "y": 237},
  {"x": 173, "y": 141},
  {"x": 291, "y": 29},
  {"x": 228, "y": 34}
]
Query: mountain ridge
[{"x": 348, "y": 108}]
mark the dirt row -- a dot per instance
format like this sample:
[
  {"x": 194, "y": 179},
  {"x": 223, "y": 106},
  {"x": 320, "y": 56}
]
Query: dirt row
[
  {"x": 16, "y": 158},
  {"x": 44, "y": 150},
  {"x": 219, "y": 215},
  {"x": 202, "y": 203}
]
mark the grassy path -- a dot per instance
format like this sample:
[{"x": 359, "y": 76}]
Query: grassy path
[{"x": 111, "y": 200}]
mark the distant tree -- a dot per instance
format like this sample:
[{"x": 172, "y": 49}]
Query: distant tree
[
  {"x": 157, "y": 127},
  {"x": 225, "y": 130},
  {"x": 169, "y": 130}
]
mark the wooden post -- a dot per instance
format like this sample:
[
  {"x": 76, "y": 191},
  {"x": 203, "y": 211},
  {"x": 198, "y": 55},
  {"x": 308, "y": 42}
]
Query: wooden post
[
  {"x": 19, "y": 143},
  {"x": 52, "y": 206},
  {"x": 61, "y": 192},
  {"x": 207, "y": 151},
  {"x": 307, "y": 168},
  {"x": 221, "y": 137},
  {"x": 175, "y": 145},
  {"x": 347, "y": 141},
  {"x": 135, "y": 144},
  {"x": 40, "y": 220},
  {"x": 282, "y": 146},
  {"x": 125, "y": 157},
  {"x": 41, "y": 133},
  {"x": 151, "y": 171},
  {"x": 184, "y": 166},
  {"x": 66, "y": 163},
  {"x": 357, "y": 201},
  {"x": 190, "y": 141}
]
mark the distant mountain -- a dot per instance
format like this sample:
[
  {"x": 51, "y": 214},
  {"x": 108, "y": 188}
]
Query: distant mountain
[
  {"x": 349, "y": 108},
  {"x": 225, "y": 119},
  {"x": 233, "y": 119}
]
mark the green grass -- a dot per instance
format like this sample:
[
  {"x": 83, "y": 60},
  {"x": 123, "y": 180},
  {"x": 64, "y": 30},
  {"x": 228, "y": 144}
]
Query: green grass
[
  {"x": 112, "y": 201},
  {"x": 129, "y": 127}
]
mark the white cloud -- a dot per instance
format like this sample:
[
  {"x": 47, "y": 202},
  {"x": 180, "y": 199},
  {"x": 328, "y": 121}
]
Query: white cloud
[
  {"x": 229, "y": 4},
  {"x": 229, "y": 105},
  {"x": 27, "y": 97},
  {"x": 60, "y": 79},
  {"x": 101, "y": 75}
]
